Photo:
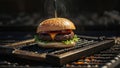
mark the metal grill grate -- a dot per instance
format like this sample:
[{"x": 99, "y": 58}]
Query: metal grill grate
[{"x": 99, "y": 59}]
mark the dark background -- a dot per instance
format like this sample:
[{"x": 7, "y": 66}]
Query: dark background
[
  {"x": 20, "y": 18},
  {"x": 87, "y": 15},
  {"x": 72, "y": 6}
]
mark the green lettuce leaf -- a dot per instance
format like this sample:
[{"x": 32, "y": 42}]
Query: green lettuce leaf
[{"x": 75, "y": 39}]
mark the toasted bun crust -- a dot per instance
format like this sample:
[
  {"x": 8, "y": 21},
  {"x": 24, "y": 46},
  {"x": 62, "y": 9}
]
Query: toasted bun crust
[
  {"x": 54, "y": 24},
  {"x": 55, "y": 45}
]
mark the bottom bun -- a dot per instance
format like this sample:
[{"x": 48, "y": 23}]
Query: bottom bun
[{"x": 55, "y": 45}]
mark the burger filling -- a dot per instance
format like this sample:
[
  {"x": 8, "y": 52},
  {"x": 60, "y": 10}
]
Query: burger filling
[{"x": 65, "y": 36}]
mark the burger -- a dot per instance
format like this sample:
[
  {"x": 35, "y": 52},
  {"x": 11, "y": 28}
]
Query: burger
[{"x": 56, "y": 33}]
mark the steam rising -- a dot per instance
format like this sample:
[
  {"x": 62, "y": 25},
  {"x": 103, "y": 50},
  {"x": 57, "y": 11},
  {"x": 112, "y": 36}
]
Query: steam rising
[{"x": 55, "y": 8}]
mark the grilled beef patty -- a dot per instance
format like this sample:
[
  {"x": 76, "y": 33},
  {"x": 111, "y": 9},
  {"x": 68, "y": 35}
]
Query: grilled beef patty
[{"x": 58, "y": 37}]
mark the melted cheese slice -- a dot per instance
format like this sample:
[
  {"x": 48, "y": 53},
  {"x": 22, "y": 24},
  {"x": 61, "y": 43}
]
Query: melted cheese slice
[{"x": 52, "y": 35}]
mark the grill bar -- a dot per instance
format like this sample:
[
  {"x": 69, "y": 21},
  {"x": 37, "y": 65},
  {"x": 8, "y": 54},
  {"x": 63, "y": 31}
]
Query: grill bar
[{"x": 29, "y": 55}]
